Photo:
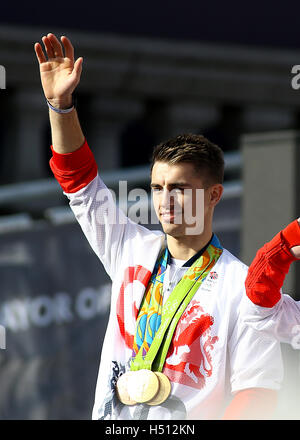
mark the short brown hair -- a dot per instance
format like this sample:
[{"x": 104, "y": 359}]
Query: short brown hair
[{"x": 207, "y": 158}]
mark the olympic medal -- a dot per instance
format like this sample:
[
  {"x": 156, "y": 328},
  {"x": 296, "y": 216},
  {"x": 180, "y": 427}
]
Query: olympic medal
[
  {"x": 122, "y": 389},
  {"x": 142, "y": 385},
  {"x": 163, "y": 391}
]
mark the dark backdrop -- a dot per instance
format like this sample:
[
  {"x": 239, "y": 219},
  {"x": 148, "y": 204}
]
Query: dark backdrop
[{"x": 260, "y": 23}]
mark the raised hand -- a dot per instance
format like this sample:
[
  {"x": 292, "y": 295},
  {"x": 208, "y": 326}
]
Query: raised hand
[{"x": 59, "y": 73}]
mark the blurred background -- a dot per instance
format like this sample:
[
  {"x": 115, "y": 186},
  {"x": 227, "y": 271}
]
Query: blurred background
[{"x": 151, "y": 70}]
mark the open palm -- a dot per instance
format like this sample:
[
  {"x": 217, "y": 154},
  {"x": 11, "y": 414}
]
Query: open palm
[{"x": 59, "y": 73}]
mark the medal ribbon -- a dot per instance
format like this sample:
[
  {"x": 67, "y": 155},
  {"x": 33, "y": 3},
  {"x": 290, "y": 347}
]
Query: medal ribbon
[
  {"x": 155, "y": 327},
  {"x": 149, "y": 317}
]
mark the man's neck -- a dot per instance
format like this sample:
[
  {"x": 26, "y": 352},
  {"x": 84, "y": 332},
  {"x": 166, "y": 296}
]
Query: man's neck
[{"x": 184, "y": 248}]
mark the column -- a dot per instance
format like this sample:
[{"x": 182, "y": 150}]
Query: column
[
  {"x": 271, "y": 201},
  {"x": 271, "y": 192},
  {"x": 107, "y": 117},
  {"x": 27, "y": 140}
]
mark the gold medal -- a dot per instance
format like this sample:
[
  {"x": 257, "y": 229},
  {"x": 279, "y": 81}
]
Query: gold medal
[
  {"x": 142, "y": 385},
  {"x": 163, "y": 391},
  {"x": 122, "y": 389}
]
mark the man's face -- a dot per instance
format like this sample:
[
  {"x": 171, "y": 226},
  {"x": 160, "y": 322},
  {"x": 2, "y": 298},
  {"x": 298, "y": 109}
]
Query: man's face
[{"x": 179, "y": 198}]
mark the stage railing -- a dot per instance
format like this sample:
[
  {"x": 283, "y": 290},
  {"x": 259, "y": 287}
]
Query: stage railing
[{"x": 27, "y": 192}]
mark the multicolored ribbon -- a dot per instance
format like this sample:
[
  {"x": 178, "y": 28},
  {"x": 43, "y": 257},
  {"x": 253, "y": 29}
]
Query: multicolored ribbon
[
  {"x": 157, "y": 323},
  {"x": 149, "y": 317}
]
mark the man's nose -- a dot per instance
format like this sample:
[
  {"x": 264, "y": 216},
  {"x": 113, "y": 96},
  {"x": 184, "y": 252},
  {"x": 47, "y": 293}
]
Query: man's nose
[{"x": 167, "y": 200}]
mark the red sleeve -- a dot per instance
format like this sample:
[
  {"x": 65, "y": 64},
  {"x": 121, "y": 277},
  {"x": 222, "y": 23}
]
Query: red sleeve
[
  {"x": 75, "y": 170},
  {"x": 252, "y": 403},
  {"x": 267, "y": 272}
]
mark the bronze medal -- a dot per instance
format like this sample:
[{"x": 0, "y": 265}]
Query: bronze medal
[
  {"x": 163, "y": 391},
  {"x": 122, "y": 389},
  {"x": 142, "y": 385}
]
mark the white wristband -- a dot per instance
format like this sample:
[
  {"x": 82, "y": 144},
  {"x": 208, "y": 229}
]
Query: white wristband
[{"x": 59, "y": 110}]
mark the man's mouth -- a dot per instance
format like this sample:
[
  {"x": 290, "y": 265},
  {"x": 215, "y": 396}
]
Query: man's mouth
[{"x": 169, "y": 216}]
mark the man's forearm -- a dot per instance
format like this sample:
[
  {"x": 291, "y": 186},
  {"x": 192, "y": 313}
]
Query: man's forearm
[
  {"x": 268, "y": 270},
  {"x": 67, "y": 135}
]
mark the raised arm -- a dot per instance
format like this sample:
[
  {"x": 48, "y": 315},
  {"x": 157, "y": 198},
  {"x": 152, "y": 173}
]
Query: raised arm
[
  {"x": 265, "y": 307},
  {"x": 109, "y": 232},
  {"x": 60, "y": 75},
  {"x": 295, "y": 250},
  {"x": 271, "y": 264}
]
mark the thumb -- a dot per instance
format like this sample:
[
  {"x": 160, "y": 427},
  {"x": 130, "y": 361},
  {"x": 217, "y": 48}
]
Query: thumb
[
  {"x": 295, "y": 251},
  {"x": 77, "y": 69}
]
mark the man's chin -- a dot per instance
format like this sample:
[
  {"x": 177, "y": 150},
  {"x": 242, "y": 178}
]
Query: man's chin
[
  {"x": 180, "y": 230},
  {"x": 172, "y": 229}
]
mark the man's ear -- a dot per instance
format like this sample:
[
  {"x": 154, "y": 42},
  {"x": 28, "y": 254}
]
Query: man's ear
[{"x": 216, "y": 192}]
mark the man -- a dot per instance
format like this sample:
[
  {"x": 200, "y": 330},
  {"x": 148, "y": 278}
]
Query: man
[
  {"x": 266, "y": 308},
  {"x": 176, "y": 343}
]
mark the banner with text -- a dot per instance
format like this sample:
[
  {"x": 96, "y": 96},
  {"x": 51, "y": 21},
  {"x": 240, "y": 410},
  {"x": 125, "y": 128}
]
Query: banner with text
[{"x": 54, "y": 305}]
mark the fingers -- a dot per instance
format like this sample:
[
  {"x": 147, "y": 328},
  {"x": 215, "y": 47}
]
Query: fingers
[
  {"x": 53, "y": 48},
  {"x": 77, "y": 69},
  {"x": 56, "y": 46},
  {"x": 78, "y": 66},
  {"x": 48, "y": 47},
  {"x": 39, "y": 53},
  {"x": 69, "y": 49}
]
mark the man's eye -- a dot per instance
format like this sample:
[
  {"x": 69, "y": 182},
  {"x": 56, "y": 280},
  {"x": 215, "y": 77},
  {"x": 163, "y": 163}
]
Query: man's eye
[
  {"x": 155, "y": 189},
  {"x": 178, "y": 189}
]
